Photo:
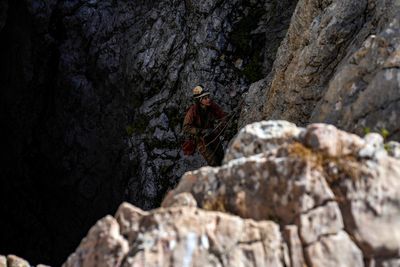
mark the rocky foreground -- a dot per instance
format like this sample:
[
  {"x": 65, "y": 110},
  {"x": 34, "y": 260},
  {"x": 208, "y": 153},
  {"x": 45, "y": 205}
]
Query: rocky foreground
[{"x": 285, "y": 196}]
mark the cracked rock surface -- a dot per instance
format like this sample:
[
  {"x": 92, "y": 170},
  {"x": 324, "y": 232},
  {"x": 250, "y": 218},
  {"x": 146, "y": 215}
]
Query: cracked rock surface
[
  {"x": 338, "y": 64},
  {"x": 181, "y": 236},
  {"x": 291, "y": 196},
  {"x": 364, "y": 92},
  {"x": 340, "y": 191}
]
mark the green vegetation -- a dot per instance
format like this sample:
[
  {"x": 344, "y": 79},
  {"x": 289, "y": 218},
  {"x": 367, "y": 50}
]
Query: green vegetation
[
  {"x": 387, "y": 148},
  {"x": 384, "y": 133}
]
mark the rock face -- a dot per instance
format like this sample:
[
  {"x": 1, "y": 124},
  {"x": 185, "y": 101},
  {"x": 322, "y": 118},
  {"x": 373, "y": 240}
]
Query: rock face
[
  {"x": 94, "y": 94},
  {"x": 337, "y": 64},
  {"x": 285, "y": 196},
  {"x": 337, "y": 191},
  {"x": 364, "y": 92},
  {"x": 181, "y": 236},
  {"x": 182, "y": 45},
  {"x": 104, "y": 246},
  {"x": 13, "y": 261}
]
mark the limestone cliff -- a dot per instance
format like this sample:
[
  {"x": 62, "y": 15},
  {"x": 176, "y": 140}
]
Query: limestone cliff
[{"x": 338, "y": 64}]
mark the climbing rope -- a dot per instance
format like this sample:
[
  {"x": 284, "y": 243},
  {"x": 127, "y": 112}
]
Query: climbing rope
[{"x": 230, "y": 115}]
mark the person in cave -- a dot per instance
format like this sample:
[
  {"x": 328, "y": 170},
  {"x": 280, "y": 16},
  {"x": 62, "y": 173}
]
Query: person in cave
[{"x": 202, "y": 127}]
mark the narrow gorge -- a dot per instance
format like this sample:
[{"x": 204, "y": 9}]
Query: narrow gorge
[{"x": 93, "y": 100}]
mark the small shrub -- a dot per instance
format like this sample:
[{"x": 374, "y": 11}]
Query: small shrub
[{"x": 384, "y": 133}]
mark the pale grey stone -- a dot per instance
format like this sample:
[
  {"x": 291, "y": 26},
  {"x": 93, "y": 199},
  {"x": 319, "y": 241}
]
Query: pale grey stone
[
  {"x": 183, "y": 199},
  {"x": 387, "y": 263},
  {"x": 320, "y": 221},
  {"x": 337, "y": 64},
  {"x": 364, "y": 91},
  {"x": 374, "y": 147},
  {"x": 334, "y": 250},
  {"x": 301, "y": 179},
  {"x": 258, "y": 187},
  {"x": 261, "y": 137},
  {"x": 291, "y": 236},
  {"x": 3, "y": 261},
  {"x": 393, "y": 149},
  {"x": 179, "y": 236},
  {"x": 15, "y": 261},
  {"x": 103, "y": 246},
  {"x": 371, "y": 206}
]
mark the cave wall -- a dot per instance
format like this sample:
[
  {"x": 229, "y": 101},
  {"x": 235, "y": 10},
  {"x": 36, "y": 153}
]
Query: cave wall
[
  {"x": 94, "y": 94},
  {"x": 220, "y": 44}
]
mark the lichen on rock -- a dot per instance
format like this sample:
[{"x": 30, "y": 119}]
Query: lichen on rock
[{"x": 318, "y": 178}]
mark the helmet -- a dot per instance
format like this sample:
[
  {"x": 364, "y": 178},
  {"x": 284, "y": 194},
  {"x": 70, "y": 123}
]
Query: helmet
[{"x": 199, "y": 92}]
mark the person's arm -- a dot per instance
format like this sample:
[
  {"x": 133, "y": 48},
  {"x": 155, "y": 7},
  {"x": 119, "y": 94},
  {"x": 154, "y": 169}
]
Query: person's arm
[
  {"x": 220, "y": 115},
  {"x": 188, "y": 124}
]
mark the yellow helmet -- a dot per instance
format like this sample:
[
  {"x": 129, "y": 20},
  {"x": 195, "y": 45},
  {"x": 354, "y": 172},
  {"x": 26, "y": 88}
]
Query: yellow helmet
[{"x": 199, "y": 91}]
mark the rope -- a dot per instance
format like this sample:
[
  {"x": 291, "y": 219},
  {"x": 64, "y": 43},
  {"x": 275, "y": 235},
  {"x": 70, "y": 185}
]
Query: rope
[{"x": 231, "y": 115}]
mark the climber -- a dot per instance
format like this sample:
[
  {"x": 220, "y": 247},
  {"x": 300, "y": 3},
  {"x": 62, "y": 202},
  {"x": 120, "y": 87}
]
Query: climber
[{"x": 202, "y": 127}]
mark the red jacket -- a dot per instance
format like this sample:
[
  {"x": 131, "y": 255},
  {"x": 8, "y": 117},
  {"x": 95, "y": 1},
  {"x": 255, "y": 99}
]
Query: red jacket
[{"x": 197, "y": 118}]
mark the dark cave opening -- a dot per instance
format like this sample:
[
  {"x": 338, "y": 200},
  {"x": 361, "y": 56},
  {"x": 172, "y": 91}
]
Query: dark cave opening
[
  {"x": 29, "y": 198},
  {"x": 44, "y": 217}
]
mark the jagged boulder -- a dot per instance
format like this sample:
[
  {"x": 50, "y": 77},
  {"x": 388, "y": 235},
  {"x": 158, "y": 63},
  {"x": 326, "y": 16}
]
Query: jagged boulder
[
  {"x": 341, "y": 191},
  {"x": 334, "y": 195},
  {"x": 180, "y": 236},
  {"x": 262, "y": 137},
  {"x": 104, "y": 246},
  {"x": 314, "y": 196},
  {"x": 13, "y": 261}
]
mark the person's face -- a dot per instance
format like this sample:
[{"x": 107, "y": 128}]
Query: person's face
[{"x": 205, "y": 100}]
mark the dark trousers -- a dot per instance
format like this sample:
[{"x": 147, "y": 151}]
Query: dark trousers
[{"x": 212, "y": 152}]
